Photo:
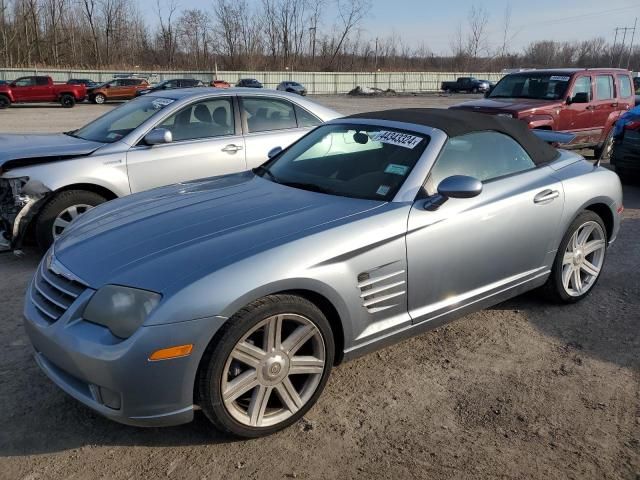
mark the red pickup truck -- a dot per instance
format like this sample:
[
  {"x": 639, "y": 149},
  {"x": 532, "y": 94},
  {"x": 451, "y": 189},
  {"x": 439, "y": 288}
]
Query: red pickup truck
[
  {"x": 40, "y": 89},
  {"x": 586, "y": 102}
]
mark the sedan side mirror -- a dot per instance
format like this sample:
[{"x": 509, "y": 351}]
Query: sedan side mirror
[
  {"x": 158, "y": 136},
  {"x": 460, "y": 186},
  {"x": 273, "y": 152}
]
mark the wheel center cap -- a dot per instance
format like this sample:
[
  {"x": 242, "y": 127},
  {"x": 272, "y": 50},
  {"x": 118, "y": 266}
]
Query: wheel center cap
[
  {"x": 578, "y": 257},
  {"x": 274, "y": 368}
]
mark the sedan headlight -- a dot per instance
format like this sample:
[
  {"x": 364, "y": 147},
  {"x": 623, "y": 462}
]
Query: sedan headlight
[{"x": 121, "y": 309}]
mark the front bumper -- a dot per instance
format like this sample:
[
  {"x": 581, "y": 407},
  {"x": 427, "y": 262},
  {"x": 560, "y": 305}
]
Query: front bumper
[{"x": 96, "y": 368}]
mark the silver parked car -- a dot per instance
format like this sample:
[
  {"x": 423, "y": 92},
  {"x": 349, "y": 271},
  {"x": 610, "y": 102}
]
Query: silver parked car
[
  {"x": 164, "y": 137},
  {"x": 240, "y": 293}
]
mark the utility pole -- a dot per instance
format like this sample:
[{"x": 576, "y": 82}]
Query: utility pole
[
  {"x": 624, "y": 31},
  {"x": 375, "y": 67},
  {"x": 633, "y": 36}
]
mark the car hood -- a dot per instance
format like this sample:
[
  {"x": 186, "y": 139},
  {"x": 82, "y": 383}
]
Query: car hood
[
  {"x": 154, "y": 239},
  {"x": 25, "y": 149},
  {"x": 506, "y": 104}
]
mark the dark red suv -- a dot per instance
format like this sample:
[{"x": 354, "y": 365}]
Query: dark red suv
[{"x": 586, "y": 102}]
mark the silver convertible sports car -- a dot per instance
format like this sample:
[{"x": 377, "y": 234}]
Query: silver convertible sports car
[{"x": 238, "y": 294}]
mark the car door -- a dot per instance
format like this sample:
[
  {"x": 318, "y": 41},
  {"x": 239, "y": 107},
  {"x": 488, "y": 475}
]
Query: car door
[
  {"x": 470, "y": 249},
  {"x": 206, "y": 142},
  {"x": 23, "y": 88},
  {"x": 269, "y": 122},
  {"x": 578, "y": 118},
  {"x": 604, "y": 104}
]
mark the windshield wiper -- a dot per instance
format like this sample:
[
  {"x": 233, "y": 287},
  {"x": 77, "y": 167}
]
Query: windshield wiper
[
  {"x": 312, "y": 187},
  {"x": 264, "y": 169}
]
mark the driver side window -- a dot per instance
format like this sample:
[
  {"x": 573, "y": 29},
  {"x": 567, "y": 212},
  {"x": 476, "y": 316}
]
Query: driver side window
[
  {"x": 482, "y": 155},
  {"x": 582, "y": 85},
  {"x": 25, "y": 82},
  {"x": 205, "y": 119}
]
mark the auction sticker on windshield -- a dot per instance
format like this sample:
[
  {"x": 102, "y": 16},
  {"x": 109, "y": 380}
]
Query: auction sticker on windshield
[
  {"x": 559, "y": 78},
  {"x": 396, "y": 138}
]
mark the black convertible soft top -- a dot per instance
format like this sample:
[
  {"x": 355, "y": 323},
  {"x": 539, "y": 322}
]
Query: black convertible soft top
[{"x": 460, "y": 122}]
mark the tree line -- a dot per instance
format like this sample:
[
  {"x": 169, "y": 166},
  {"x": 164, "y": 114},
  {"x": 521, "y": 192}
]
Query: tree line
[{"x": 312, "y": 35}]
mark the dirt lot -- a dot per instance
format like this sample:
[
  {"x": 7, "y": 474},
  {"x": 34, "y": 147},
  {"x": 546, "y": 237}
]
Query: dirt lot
[{"x": 523, "y": 390}]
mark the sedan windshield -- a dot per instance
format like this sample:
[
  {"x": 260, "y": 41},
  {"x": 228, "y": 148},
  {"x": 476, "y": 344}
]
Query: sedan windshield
[
  {"x": 541, "y": 86},
  {"x": 360, "y": 161},
  {"x": 121, "y": 121}
]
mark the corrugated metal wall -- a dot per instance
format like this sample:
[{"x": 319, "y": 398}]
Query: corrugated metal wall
[{"x": 316, "y": 82}]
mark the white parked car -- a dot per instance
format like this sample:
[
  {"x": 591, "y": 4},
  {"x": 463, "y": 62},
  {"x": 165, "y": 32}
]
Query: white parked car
[{"x": 158, "y": 139}]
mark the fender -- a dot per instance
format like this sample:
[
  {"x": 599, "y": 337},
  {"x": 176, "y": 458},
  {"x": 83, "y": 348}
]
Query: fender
[{"x": 540, "y": 121}]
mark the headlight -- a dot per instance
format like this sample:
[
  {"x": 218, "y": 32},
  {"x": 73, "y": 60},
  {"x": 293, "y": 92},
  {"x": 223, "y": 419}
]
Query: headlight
[{"x": 121, "y": 309}]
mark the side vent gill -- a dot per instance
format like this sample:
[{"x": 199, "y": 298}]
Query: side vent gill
[{"x": 381, "y": 292}]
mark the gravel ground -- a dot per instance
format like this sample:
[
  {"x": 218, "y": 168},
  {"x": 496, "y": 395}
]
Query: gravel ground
[{"x": 523, "y": 390}]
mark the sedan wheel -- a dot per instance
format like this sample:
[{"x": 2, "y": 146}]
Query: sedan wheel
[
  {"x": 276, "y": 357},
  {"x": 67, "y": 216},
  {"x": 60, "y": 211},
  {"x": 580, "y": 259}
]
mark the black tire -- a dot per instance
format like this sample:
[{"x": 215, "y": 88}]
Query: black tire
[
  {"x": 67, "y": 100},
  {"x": 603, "y": 152},
  {"x": 554, "y": 288},
  {"x": 99, "y": 99},
  {"x": 5, "y": 102},
  {"x": 212, "y": 365},
  {"x": 447, "y": 91},
  {"x": 58, "y": 204},
  {"x": 475, "y": 90}
]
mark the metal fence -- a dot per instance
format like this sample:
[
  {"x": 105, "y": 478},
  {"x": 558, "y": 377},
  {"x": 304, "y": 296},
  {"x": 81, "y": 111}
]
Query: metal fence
[{"x": 316, "y": 82}]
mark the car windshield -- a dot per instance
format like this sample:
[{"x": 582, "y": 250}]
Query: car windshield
[
  {"x": 360, "y": 161},
  {"x": 541, "y": 86},
  {"x": 120, "y": 121}
]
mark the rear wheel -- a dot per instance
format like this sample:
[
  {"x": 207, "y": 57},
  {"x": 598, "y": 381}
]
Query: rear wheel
[
  {"x": 65, "y": 207},
  {"x": 99, "y": 98},
  {"x": 67, "y": 100},
  {"x": 268, "y": 366},
  {"x": 5, "y": 102},
  {"x": 579, "y": 260}
]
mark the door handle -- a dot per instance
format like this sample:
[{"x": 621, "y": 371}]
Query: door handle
[
  {"x": 590, "y": 107},
  {"x": 546, "y": 196},
  {"x": 231, "y": 148},
  {"x": 614, "y": 104}
]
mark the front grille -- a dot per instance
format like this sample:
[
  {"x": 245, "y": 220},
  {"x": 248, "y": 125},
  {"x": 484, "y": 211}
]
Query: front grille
[{"x": 52, "y": 294}]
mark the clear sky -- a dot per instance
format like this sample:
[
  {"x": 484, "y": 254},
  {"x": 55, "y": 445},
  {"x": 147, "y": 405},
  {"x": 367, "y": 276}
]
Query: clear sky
[{"x": 431, "y": 22}]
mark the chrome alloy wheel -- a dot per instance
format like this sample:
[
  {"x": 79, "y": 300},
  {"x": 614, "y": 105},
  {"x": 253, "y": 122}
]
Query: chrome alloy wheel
[
  {"x": 68, "y": 215},
  {"x": 583, "y": 258},
  {"x": 273, "y": 370}
]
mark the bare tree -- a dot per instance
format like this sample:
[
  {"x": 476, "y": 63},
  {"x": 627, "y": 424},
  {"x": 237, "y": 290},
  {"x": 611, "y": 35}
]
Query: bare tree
[
  {"x": 478, "y": 19},
  {"x": 350, "y": 13},
  {"x": 506, "y": 26},
  {"x": 167, "y": 33}
]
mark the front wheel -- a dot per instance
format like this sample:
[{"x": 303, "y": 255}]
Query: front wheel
[
  {"x": 99, "y": 99},
  {"x": 603, "y": 152},
  {"x": 64, "y": 208},
  {"x": 67, "y": 100},
  {"x": 5, "y": 102},
  {"x": 267, "y": 367},
  {"x": 579, "y": 260}
]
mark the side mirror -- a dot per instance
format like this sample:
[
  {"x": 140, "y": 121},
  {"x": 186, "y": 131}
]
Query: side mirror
[
  {"x": 460, "y": 186},
  {"x": 158, "y": 136},
  {"x": 12, "y": 84},
  {"x": 273, "y": 152},
  {"x": 581, "y": 97}
]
